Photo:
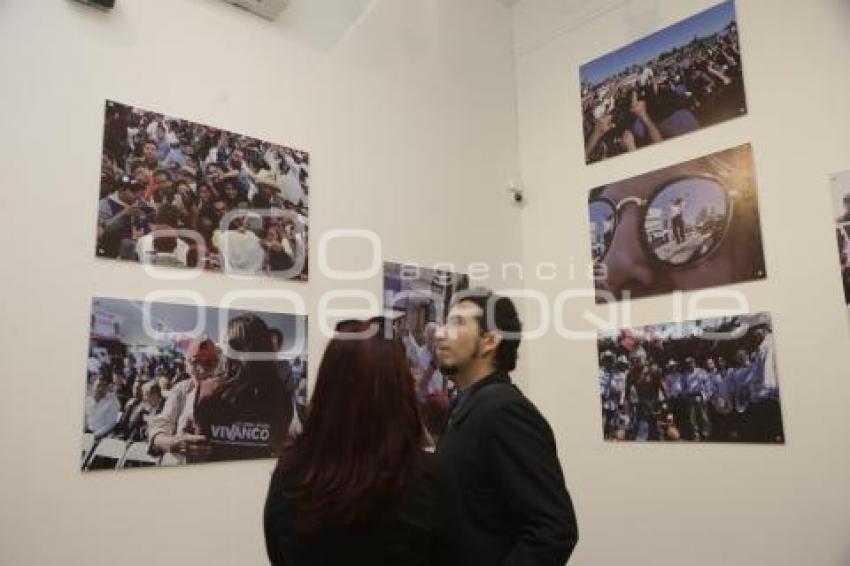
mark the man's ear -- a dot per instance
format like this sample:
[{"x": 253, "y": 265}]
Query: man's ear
[{"x": 489, "y": 342}]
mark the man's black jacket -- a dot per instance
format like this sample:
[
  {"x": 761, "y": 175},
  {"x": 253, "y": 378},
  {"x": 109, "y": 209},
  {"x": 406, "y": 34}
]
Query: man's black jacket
[{"x": 502, "y": 490}]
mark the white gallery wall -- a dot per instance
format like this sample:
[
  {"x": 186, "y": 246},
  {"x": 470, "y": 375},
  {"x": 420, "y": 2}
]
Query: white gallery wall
[
  {"x": 408, "y": 112},
  {"x": 666, "y": 504}
]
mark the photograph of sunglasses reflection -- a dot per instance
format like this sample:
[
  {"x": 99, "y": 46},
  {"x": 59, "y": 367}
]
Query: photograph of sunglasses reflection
[
  {"x": 683, "y": 222},
  {"x": 690, "y": 226}
]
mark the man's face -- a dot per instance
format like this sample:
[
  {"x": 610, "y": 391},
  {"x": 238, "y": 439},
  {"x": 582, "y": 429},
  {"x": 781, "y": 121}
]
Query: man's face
[
  {"x": 187, "y": 177},
  {"x": 152, "y": 398},
  {"x": 127, "y": 195},
  {"x": 691, "y": 363},
  {"x": 162, "y": 179},
  {"x": 100, "y": 390},
  {"x": 214, "y": 173},
  {"x": 142, "y": 174},
  {"x": 709, "y": 364},
  {"x": 459, "y": 340},
  {"x": 741, "y": 356},
  {"x": 150, "y": 151},
  {"x": 105, "y": 167}
]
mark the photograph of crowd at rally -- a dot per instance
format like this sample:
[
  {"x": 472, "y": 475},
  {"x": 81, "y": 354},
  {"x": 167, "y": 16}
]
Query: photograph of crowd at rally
[
  {"x": 417, "y": 300},
  {"x": 841, "y": 205},
  {"x": 178, "y": 193},
  {"x": 712, "y": 380},
  {"x": 167, "y": 393},
  {"x": 677, "y": 80},
  {"x": 688, "y": 226}
]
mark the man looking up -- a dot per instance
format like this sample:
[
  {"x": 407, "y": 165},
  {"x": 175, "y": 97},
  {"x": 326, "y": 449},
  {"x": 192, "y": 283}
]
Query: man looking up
[{"x": 506, "y": 502}]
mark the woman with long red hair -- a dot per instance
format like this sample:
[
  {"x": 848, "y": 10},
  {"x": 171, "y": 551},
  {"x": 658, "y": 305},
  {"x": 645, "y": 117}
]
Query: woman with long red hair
[{"x": 356, "y": 487}]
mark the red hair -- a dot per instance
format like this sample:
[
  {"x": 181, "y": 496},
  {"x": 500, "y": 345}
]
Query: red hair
[{"x": 362, "y": 432}]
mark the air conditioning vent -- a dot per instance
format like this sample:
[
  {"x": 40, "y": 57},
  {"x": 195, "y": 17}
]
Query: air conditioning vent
[
  {"x": 269, "y": 9},
  {"x": 100, "y": 3}
]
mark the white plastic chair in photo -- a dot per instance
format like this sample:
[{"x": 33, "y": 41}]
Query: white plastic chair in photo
[
  {"x": 137, "y": 452},
  {"x": 112, "y": 448}
]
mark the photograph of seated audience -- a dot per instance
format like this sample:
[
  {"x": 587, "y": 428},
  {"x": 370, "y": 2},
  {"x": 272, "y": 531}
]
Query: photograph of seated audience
[
  {"x": 712, "y": 380},
  {"x": 173, "y": 396},
  {"x": 177, "y": 193},
  {"x": 680, "y": 79}
]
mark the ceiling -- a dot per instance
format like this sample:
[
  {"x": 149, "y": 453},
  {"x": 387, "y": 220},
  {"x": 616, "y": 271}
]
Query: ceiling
[{"x": 538, "y": 21}]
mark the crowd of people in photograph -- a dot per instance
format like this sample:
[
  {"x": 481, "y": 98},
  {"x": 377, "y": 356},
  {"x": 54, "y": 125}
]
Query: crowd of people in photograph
[
  {"x": 433, "y": 388},
  {"x": 416, "y": 299},
  {"x": 658, "y": 387},
  {"x": 678, "y": 91},
  {"x": 170, "y": 399},
  {"x": 173, "y": 192}
]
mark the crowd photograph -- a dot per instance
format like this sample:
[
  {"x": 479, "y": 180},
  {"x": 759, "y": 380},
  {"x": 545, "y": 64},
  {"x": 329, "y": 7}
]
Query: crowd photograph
[
  {"x": 712, "y": 380},
  {"x": 172, "y": 384},
  {"x": 680, "y": 79},
  {"x": 689, "y": 226},
  {"x": 181, "y": 194},
  {"x": 841, "y": 207},
  {"x": 417, "y": 299}
]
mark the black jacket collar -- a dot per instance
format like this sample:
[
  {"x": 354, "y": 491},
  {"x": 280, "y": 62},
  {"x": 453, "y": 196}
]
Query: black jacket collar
[{"x": 462, "y": 411}]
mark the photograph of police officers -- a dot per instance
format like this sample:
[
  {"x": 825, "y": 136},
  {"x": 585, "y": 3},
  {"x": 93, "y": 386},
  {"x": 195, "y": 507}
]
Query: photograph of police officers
[{"x": 711, "y": 380}]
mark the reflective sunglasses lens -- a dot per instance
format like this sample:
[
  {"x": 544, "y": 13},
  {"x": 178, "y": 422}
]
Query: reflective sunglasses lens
[{"x": 686, "y": 220}]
